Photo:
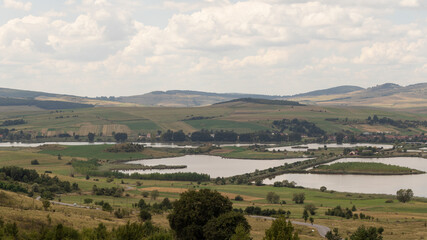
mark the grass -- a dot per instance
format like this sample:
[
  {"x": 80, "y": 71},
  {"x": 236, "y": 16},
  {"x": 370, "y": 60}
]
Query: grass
[
  {"x": 245, "y": 153},
  {"x": 216, "y": 124},
  {"x": 400, "y": 220},
  {"x": 363, "y": 168},
  {"x": 238, "y": 117},
  {"x": 98, "y": 151}
]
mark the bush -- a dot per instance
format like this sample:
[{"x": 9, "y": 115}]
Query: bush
[
  {"x": 88, "y": 200},
  {"x": 298, "y": 198},
  {"x": 107, "y": 207},
  {"x": 272, "y": 197},
  {"x": 238, "y": 198},
  {"x": 35, "y": 162},
  {"x": 224, "y": 226},
  {"x": 144, "y": 215}
]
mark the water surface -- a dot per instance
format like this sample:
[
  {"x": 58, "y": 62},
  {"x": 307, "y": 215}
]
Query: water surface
[
  {"x": 213, "y": 165},
  {"x": 366, "y": 183}
]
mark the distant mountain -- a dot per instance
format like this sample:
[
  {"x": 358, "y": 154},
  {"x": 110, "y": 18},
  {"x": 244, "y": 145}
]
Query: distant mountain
[
  {"x": 263, "y": 101},
  {"x": 15, "y": 93},
  {"x": 179, "y": 98},
  {"x": 388, "y": 95},
  {"x": 331, "y": 91}
]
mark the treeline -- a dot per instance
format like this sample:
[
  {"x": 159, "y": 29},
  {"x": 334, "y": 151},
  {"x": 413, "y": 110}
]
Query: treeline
[
  {"x": 229, "y": 136},
  {"x": 49, "y": 105},
  {"x": 299, "y": 126},
  {"x": 346, "y": 213},
  {"x": 44, "y": 184},
  {"x": 125, "y": 147},
  {"x": 13, "y": 135},
  {"x": 147, "y": 230},
  {"x": 263, "y": 212},
  {"x": 180, "y": 176},
  {"x": 397, "y": 123},
  {"x": 113, "y": 191},
  {"x": 13, "y": 122}
]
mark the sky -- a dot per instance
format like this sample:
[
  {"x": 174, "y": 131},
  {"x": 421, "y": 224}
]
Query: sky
[{"x": 276, "y": 47}]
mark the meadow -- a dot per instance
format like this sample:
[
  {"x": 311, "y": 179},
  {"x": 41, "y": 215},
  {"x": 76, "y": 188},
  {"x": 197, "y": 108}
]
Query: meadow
[
  {"x": 400, "y": 220},
  {"x": 364, "y": 168}
]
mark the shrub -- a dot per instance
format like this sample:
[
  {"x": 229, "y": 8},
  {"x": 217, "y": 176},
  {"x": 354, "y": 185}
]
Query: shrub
[
  {"x": 35, "y": 162},
  {"x": 238, "y": 198}
]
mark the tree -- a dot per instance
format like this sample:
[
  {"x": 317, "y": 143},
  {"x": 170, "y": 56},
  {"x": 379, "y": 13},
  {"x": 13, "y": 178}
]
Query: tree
[
  {"x": 224, "y": 226},
  {"x": 311, "y": 220},
  {"x": 299, "y": 198},
  {"x": 310, "y": 208},
  {"x": 46, "y": 204},
  {"x": 194, "y": 209},
  {"x": 323, "y": 188},
  {"x": 121, "y": 137},
  {"x": 35, "y": 162},
  {"x": 281, "y": 229},
  {"x": 333, "y": 236},
  {"x": 242, "y": 233},
  {"x": 272, "y": 197},
  {"x": 339, "y": 137},
  {"x": 305, "y": 215},
  {"x": 371, "y": 233},
  {"x": 154, "y": 194},
  {"x": 144, "y": 215},
  {"x": 404, "y": 195},
  {"x": 91, "y": 137}
]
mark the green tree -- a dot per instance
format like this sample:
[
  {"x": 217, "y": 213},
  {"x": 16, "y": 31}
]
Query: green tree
[
  {"x": 91, "y": 137},
  {"x": 121, "y": 137},
  {"x": 281, "y": 229},
  {"x": 311, "y": 220},
  {"x": 194, "y": 209},
  {"x": 404, "y": 195},
  {"x": 224, "y": 226},
  {"x": 333, "y": 236},
  {"x": 310, "y": 208},
  {"x": 370, "y": 233},
  {"x": 154, "y": 194},
  {"x": 46, "y": 204},
  {"x": 272, "y": 197},
  {"x": 241, "y": 233},
  {"x": 323, "y": 188},
  {"x": 298, "y": 198},
  {"x": 305, "y": 215},
  {"x": 144, "y": 215}
]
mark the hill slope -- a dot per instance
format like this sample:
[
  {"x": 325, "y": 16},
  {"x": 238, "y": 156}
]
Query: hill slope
[{"x": 178, "y": 98}]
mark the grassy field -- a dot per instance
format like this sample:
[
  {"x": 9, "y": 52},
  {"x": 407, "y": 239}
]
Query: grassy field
[
  {"x": 240, "y": 117},
  {"x": 363, "y": 168},
  {"x": 98, "y": 151},
  {"x": 400, "y": 220}
]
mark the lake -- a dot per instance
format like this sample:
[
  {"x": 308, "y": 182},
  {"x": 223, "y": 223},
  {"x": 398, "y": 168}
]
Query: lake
[
  {"x": 305, "y": 147},
  {"x": 213, "y": 165},
  {"x": 366, "y": 183}
]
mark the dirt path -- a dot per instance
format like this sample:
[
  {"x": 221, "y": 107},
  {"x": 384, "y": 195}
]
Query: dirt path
[{"x": 322, "y": 230}]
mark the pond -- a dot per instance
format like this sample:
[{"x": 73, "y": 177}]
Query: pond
[
  {"x": 305, "y": 147},
  {"x": 213, "y": 165},
  {"x": 366, "y": 183}
]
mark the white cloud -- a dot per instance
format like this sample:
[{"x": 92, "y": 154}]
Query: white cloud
[
  {"x": 15, "y": 4},
  {"x": 262, "y": 46},
  {"x": 409, "y": 3}
]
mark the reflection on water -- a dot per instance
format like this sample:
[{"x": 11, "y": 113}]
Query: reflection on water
[
  {"x": 212, "y": 165},
  {"x": 366, "y": 183}
]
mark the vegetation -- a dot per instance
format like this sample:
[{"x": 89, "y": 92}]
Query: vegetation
[
  {"x": 204, "y": 214},
  {"x": 363, "y": 168},
  {"x": 13, "y": 122},
  {"x": 51, "y": 105},
  {"x": 265, "y": 101},
  {"x": 125, "y": 147},
  {"x": 281, "y": 229},
  {"x": 404, "y": 195}
]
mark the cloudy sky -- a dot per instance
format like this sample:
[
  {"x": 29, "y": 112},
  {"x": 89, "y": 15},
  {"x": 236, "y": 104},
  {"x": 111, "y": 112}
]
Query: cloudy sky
[{"x": 126, "y": 47}]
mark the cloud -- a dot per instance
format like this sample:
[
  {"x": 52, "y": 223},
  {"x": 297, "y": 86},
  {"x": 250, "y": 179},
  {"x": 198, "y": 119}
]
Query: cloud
[
  {"x": 15, "y": 4},
  {"x": 260, "y": 46},
  {"x": 409, "y": 3}
]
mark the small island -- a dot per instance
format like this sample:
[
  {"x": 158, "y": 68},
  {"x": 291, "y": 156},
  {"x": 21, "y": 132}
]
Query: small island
[{"x": 368, "y": 168}]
